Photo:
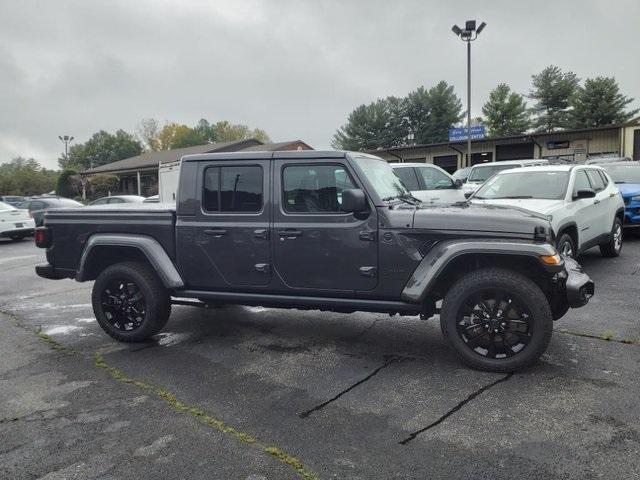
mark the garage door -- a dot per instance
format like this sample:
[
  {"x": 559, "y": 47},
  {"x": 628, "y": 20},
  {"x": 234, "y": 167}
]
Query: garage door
[
  {"x": 447, "y": 162},
  {"x": 517, "y": 151}
]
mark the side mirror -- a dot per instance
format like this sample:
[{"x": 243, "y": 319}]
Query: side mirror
[
  {"x": 353, "y": 200},
  {"x": 458, "y": 183},
  {"x": 584, "y": 193}
]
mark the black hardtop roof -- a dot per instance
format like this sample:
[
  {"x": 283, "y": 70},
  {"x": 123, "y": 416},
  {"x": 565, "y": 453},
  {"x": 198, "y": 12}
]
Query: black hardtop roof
[{"x": 291, "y": 154}]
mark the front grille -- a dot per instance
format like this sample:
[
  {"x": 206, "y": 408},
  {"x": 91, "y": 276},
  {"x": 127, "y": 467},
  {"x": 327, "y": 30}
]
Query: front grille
[{"x": 627, "y": 201}]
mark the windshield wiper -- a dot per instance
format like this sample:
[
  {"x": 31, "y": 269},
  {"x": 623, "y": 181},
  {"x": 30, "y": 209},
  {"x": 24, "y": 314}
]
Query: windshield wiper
[
  {"x": 405, "y": 198},
  {"x": 514, "y": 197}
]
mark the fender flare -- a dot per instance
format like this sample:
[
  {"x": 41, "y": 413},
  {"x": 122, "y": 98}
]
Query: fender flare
[
  {"x": 150, "y": 248},
  {"x": 570, "y": 223},
  {"x": 436, "y": 260}
]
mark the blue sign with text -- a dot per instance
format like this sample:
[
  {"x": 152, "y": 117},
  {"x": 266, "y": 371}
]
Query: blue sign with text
[{"x": 478, "y": 132}]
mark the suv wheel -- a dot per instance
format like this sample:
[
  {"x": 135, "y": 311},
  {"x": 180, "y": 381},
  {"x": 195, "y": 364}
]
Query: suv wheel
[
  {"x": 566, "y": 246},
  {"x": 129, "y": 302},
  {"x": 497, "y": 320},
  {"x": 613, "y": 246},
  {"x": 18, "y": 237}
]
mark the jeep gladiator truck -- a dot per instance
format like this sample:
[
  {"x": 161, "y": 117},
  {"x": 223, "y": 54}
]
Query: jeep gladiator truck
[{"x": 322, "y": 230}]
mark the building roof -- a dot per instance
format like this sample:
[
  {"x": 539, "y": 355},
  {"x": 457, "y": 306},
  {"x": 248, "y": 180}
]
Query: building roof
[
  {"x": 274, "y": 147},
  {"x": 152, "y": 159}
]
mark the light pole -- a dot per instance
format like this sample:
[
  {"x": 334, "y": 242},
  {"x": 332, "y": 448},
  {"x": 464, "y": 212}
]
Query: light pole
[
  {"x": 468, "y": 34},
  {"x": 66, "y": 139}
]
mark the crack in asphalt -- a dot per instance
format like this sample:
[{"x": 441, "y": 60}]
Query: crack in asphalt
[
  {"x": 455, "y": 408},
  {"x": 307, "y": 413},
  {"x": 603, "y": 337}
]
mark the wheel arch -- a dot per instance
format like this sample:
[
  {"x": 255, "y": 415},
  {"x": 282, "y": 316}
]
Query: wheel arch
[
  {"x": 103, "y": 250},
  {"x": 570, "y": 228}
]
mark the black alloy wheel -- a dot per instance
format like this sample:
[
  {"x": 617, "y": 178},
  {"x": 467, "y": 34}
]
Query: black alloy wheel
[
  {"x": 123, "y": 304},
  {"x": 494, "y": 324}
]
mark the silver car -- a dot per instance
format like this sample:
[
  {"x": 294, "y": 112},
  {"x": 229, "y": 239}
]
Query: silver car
[{"x": 429, "y": 183}]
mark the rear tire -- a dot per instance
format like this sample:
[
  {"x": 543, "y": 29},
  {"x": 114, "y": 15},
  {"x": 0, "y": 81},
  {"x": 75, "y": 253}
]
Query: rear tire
[
  {"x": 613, "y": 246},
  {"x": 130, "y": 302},
  {"x": 497, "y": 320},
  {"x": 17, "y": 238}
]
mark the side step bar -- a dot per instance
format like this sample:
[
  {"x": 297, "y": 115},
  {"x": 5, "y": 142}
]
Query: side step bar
[{"x": 289, "y": 301}]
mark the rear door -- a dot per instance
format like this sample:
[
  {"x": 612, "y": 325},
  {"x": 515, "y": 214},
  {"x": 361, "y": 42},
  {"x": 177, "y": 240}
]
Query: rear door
[
  {"x": 230, "y": 230},
  {"x": 317, "y": 247},
  {"x": 602, "y": 203}
]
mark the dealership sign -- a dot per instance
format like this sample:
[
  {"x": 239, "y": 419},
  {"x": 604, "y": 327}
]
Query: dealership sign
[{"x": 460, "y": 134}]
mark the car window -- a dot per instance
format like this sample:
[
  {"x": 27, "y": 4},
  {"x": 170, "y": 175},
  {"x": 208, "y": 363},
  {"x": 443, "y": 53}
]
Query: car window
[
  {"x": 581, "y": 182},
  {"x": 232, "y": 189},
  {"x": 24, "y": 205},
  {"x": 550, "y": 185},
  {"x": 36, "y": 206},
  {"x": 115, "y": 200},
  {"x": 596, "y": 180},
  {"x": 314, "y": 188},
  {"x": 100, "y": 201},
  {"x": 482, "y": 173},
  {"x": 408, "y": 177},
  {"x": 434, "y": 179},
  {"x": 605, "y": 179}
]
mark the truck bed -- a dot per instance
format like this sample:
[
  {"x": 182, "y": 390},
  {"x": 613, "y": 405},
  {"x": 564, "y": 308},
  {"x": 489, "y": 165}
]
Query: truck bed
[{"x": 72, "y": 227}]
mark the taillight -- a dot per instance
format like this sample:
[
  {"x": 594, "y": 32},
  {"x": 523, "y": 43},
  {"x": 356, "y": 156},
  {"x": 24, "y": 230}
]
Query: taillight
[{"x": 43, "y": 237}]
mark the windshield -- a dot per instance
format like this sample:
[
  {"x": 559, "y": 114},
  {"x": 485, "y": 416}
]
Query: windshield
[
  {"x": 526, "y": 184},
  {"x": 624, "y": 173},
  {"x": 461, "y": 174},
  {"x": 6, "y": 206},
  {"x": 380, "y": 174},
  {"x": 482, "y": 173}
]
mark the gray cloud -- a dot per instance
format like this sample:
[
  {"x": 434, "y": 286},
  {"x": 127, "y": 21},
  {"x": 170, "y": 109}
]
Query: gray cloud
[{"x": 294, "y": 68}]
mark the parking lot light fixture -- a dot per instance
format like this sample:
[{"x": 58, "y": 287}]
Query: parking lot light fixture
[
  {"x": 468, "y": 34},
  {"x": 66, "y": 139}
]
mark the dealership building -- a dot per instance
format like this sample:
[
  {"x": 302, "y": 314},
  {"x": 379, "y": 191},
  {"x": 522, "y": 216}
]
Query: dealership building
[{"x": 570, "y": 145}]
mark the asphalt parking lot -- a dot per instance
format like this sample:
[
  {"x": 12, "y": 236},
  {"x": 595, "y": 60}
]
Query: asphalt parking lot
[{"x": 254, "y": 393}]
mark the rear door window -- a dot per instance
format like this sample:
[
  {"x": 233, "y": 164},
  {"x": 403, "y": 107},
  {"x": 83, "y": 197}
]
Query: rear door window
[
  {"x": 408, "y": 177},
  {"x": 233, "y": 189}
]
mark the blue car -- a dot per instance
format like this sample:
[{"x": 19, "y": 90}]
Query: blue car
[{"x": 627, "y": 178}]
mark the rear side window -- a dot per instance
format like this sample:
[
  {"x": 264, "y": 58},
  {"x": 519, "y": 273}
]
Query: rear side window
[
  {"x": 408, "y": 177},
  {"x": 314, "y": 188},
  {"x": 115, "y": 200},
  {"x": 596, "y": 180},
  {"x": 232, "y": 189},
  {"x": 33, "y": 206},
  {"x": 605, "y": 179},
  {"x": 582, "y": 182}
]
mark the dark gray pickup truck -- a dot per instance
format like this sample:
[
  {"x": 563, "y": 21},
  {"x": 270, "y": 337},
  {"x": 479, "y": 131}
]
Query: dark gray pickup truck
[{"x": 320, "y": 230}]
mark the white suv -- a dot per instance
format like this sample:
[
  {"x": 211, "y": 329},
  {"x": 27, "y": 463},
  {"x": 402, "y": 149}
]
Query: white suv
[
  {"x": 429, "y": 183},
  {"x": 483, "y": 171},
  {"x": 581, "y": 201}
]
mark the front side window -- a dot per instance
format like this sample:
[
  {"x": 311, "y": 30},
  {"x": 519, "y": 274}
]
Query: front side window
[
  {"x": 232, "y": 189},
  {"x": 581, "y": 182},
  {"x": 408, "y": 177},
  {"x": 314, "y": 188},
  {"x": 542, "y": 185},
  {"x": 434, "y": 179}
]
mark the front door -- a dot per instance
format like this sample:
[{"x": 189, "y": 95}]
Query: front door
[
  {"x": 583, "y": 210},
  {"x": 317, "y": 247},
  {"x": 226, "y": 245}
]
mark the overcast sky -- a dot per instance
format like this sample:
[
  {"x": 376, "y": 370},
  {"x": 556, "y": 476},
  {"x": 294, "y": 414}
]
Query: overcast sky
[{"x": 293, "y": 68}]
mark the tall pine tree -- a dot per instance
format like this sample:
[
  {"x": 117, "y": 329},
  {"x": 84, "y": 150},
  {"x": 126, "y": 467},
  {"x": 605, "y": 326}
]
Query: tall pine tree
[
  {"x": 431, "y": 113},
  {"x": 506, "y": 112},
  {"x": 599, "y": 103},
  {"x": 552, "y": 91},
  {"x": 380, "y": 124}
]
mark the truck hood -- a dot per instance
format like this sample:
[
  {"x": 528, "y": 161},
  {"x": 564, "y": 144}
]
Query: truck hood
[
  {"x": 469, "y": 217},
  {"x": 629, "y": 189},
  {"x": 539, "y": 205}
]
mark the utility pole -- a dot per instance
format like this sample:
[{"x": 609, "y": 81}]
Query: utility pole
[{"x": 468, "y": 34}]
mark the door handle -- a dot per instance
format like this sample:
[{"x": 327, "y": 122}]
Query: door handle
[
  {"x": 216, "y": 232},
  {"x": 262, "y": 233},
  {"x": 595, "y": 202},
  {"x": 612, "y": 194},
  {"x": 289, "y": 233}
]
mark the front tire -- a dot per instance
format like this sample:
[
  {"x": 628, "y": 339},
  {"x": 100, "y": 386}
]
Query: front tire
[
  {"x": 129, "y": 302},
  {"x": 497, "y": 320},
  {"x": 613, "y": 246},
  {"x": 566, "y": 246}
]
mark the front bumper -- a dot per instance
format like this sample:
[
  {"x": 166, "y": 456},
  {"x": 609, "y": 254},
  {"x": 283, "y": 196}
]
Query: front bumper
[{"x": 579, "y": 286}]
